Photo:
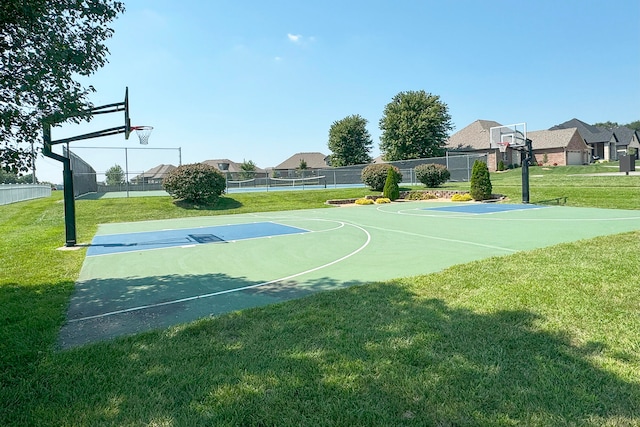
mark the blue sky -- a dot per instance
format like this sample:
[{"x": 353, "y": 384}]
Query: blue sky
[{"x": 261, "y": 81}]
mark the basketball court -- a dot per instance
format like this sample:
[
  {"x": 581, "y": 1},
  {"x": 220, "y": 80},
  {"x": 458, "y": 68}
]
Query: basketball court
[{"x": 149, "y": 275}]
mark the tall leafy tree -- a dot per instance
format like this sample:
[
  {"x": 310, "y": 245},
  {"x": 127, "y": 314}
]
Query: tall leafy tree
[
  {"x": 350, "y": 141},
  {"x": 115, "y": 175},
  {"x": 44, "y": 47},
  {"x": 415, "y": 125}
]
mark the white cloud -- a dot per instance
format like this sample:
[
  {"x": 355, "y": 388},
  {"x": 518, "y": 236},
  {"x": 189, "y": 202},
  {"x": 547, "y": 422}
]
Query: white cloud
[{"x": 295, "y": 38}]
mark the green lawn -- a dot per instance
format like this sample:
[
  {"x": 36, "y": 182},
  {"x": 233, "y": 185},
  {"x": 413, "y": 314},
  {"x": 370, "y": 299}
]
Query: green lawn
[{"x": 549, "y": 337}]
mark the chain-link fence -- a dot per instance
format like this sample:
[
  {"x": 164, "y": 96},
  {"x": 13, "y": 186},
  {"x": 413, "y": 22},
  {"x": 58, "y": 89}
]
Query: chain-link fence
[{"x": 12, "y": 193}]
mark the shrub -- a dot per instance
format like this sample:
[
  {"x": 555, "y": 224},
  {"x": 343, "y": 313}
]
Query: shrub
[
  {"x": 195, "y": 183},
  {"x": 432, "y": 175},
  {"x": 480, "y": 181},
  {"x": 501, "y": 165},
  {"x": 391, "y": 189},
  {"x": 461, "y": 197},
  {"x": 364, "y": 202},
  {"x": 375, "y": 176},
  {"x": 420, "y": 195},
  {"x": 381, "y": 200}
]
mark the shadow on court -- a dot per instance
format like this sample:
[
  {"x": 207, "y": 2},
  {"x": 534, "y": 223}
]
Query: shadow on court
[{"x": 107, "y": 308}]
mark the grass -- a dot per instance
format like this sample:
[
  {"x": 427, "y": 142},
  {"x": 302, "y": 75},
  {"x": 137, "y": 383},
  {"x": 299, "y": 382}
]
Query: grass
[{"x": 548, "y": 337}]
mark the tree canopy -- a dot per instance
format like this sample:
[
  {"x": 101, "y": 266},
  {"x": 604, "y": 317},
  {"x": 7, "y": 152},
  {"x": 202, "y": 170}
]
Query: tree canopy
[
  {"x": 414, "y": 125},
  {"x": 44, "y": 47},
  {"x": 115, "y": 175},
  {"x": 350, "y": 141},
  {"x": 612, "y": 125}
]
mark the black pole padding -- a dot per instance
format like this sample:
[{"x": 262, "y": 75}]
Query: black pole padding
[
  {"x": 525, "y": 171},
  {"x": 69, "y": 204}
]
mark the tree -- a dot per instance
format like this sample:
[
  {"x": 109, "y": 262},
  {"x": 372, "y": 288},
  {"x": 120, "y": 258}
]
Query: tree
[
  {"x": 349, "y": 141},
  {"x": 391, "y": 189},
  {"x": 247, "y": 169},
  {"x": 481, "y": 187},
  {"x": 432, "y": 175},
  {"x": 115, "y": 175},
  {"x": 374, "y": 176},
  {"x": 44, "y": 47},
  {"x": 607, "y": 125},
  {"x": 302, "y": 166},
  {"x": 634, "y": 125},
  {"x": 414, "y": 125},
  {"x": 12, "y": 178}
]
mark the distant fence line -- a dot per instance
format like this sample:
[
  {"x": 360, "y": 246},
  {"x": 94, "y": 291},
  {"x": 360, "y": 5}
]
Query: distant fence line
[
  {"x": 12, "y": 193},
  {"x": 459, "y": 166}
]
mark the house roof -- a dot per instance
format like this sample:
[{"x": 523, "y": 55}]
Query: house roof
[
  {"x": 313, "y": 161},
  {"x": 233, "y": 166},
  {"x": 473, "y": 137},
  {"x": 624, "y": 135},
  {"x": 591, "y": 134},
  {"x": 476, "y": 137},
  {"x": 158, "y": 172},
  {"x": 559, "y": 138}
]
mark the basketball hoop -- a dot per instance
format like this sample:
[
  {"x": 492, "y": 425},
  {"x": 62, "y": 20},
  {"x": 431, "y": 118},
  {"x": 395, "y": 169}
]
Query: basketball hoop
[
  {"x": 502, "y": 146},
  {"x": 143, "y": 133}
]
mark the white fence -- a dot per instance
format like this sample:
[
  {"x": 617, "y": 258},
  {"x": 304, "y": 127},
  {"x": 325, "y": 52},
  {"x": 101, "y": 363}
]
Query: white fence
[{"x": 11, "y": 193}]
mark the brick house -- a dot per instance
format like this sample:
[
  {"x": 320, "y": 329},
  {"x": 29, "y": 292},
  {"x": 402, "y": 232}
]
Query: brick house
[
  {"x": 154, "y": 175},
  {"x": 560, "y": 147},
  {"x": 302, "y": 164}
]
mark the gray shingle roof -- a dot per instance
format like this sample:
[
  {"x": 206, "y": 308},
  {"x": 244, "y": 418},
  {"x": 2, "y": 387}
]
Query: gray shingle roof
[
  {"x": 473, "y": 137},
  {"x": 313, "y": 160},
  {"x": 624, "y": 135},
  {"x": 158, "y": 172},
  {"x": 233, "y": 166},
  {"x": 591, "y": 134}
]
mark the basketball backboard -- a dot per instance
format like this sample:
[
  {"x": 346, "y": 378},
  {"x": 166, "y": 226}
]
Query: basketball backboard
[
  {"x": 514, "y": 135},
  {"x": 127, "y": 119}
]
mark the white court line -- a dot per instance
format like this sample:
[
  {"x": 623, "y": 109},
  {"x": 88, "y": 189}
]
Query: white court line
[
  {"x": 444, "y": 239},
  {"x": 188, "y": 245},
  {"x": 213, "y": 294},
  {"x": 490, "y": 218}
]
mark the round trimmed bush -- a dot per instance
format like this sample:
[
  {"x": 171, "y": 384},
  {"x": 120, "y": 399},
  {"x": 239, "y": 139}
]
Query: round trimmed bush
[
  {"x": 195, "y": 183},
  {"x": 374, "y": 176},
  {"x": 432, "y": 175}
]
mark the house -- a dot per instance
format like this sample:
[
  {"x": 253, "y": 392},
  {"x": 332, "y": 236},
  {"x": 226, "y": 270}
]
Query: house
[
  {"x": 302, "y": 164},
  {"x": 474, "y": 138},
  {"x": 559, "y": 147},
  {"x": 154, "y": 175},
  {"x": 233, "y": 169},
  {"x": 627, "y": 141},
  {"x": 601, "y": 141}
]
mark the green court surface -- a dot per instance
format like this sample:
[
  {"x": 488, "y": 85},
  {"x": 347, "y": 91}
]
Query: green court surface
[{"x": 164, "y": 277}]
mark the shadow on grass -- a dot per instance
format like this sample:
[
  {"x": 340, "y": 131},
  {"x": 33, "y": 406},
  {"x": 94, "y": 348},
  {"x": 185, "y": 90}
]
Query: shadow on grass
[
  {"x": 222, "y": 204},
  {"x": 366, "y": 355}
]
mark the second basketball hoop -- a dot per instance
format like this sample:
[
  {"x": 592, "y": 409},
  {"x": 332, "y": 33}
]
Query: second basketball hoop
[{"x": 143, "y": 133}]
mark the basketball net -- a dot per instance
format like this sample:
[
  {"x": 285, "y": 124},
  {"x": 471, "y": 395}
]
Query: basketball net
[
  {"x": 143, "y": 133},
  {"x": 502, "y": 146}
]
